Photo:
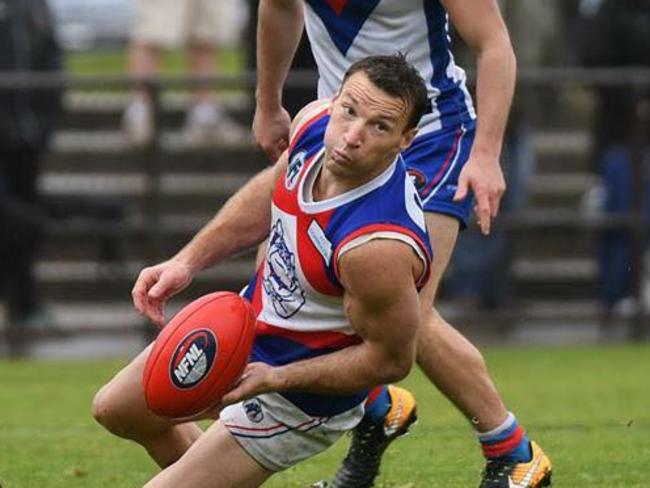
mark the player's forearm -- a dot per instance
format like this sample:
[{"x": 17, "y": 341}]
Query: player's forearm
[
  {"x": 381, "y": 302},
  {"x": 349, "y": 370},
  {"x": 495, "y": 86},
  {"x": 240, "y": 224},
  {"x": 279, "y": 28}
]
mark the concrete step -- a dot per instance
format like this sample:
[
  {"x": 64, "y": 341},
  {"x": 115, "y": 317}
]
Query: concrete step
[
  {"x": 558, "y": 219},
  {"x": 115, "y": 141},
  {"x": 77, "y": 281},
  {"x": 180, "y": 182},
  {"x": 525, "y": 311},
  {"x": 560, "y": 278},
  {"x": 100, "y": 316},
  {"x": 187, "y": 204},
  {"x": 116, "y": 101},
  {"x": 551, "y": 140},
  {"x": 555, "y": 244},
  {"x": 101, "y": 155},
  {"x": 562, "y": 183},
  {"x": 559, "y": 189},
  {"x": 562, "y": 150},
  {"x": 138, "y": 183},
  {"x": 555, "y": 278},
  {"x": 554, "y": 269},
  {"x": 106, "y": 246},
  {"x": 89, "y": 110}
]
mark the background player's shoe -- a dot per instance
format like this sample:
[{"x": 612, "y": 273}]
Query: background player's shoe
[
  {"x": 208, "y": 125},
  {"x": 371, "y": 438},
  {"x": 501, "y": 473}
]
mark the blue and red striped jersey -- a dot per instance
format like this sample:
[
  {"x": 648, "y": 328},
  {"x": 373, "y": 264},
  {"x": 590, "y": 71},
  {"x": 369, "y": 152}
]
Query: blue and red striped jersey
[{"x": 296, "y": 292}]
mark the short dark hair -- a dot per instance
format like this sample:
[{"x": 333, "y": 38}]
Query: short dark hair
[{"x": 397, "y": 77}]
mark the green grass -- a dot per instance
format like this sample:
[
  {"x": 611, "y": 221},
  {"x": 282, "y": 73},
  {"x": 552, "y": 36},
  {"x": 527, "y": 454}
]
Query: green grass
[
  {"x": 174, "y": 62},
  {"x": 588, "y": 407}
]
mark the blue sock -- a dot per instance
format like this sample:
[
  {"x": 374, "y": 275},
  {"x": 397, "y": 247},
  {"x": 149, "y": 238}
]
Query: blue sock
[{"x": 378, "y": 404}]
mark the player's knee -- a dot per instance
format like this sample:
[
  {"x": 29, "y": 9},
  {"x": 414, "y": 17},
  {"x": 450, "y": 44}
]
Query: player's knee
[
  {"x": 438, "y": 338},
  {"x": 111, "y": 413},
  {"x": 101, "y": 407},
  {"x": 397, "y": 371}
]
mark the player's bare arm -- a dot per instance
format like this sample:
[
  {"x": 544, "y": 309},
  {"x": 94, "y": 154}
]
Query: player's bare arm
[
  {"x": 381, "y": 302},
  {"x": 279, "y": 28},
  {"x": 242, "y": 223},
  {"x": 480, "y": 24}
]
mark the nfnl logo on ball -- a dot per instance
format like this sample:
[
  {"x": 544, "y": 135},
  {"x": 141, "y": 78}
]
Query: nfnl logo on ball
[{"x": 193, "y": 358}]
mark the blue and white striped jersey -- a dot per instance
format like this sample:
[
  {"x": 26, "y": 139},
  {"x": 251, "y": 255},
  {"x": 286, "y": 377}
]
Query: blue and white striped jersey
[{"x": 344, "y": 31}]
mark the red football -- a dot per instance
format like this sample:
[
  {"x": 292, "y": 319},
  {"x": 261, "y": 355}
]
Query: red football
[{"x": 199, "y": 355}]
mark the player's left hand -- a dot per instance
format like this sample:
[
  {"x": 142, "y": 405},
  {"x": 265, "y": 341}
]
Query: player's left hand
[
  {"x": 483, "y": 176},
  {"x": 257, "y": 378}
]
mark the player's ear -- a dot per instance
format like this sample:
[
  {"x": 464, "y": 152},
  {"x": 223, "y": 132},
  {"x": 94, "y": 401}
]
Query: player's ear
[{"x": 407, "y": 138}]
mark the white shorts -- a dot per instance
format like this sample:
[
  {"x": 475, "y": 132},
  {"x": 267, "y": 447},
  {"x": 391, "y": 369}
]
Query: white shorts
[
  {"x": 277, "y": 434},
  {"x": 170, "y": 23}
]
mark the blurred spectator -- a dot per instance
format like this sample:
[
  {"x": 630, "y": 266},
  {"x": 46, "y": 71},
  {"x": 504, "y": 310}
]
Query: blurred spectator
[
  {"x": 204, "y": 25},
  {"x": 616, "y": 33},
  {"x": 27, "y": 117}
]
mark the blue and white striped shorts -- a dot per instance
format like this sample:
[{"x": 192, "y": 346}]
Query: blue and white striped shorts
[{"x": 434, "y": 161}]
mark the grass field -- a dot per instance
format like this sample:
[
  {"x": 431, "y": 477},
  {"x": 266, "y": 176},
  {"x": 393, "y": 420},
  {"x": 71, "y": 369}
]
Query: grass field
[
  {"x": 173, "y": 62},
  {"x": 588, "y": 407}
]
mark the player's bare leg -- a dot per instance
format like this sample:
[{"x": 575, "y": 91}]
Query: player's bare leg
[
  {"x": 450, "y": 361},
  {"x": 121, "y": 408},
  {"x": 203, "y": 64},
  {"x": 458, "y": 369},
  {"x": 215, "y": 460},
  {"x": 137, "y": 120},
  {"x": 462, "y": 375}
]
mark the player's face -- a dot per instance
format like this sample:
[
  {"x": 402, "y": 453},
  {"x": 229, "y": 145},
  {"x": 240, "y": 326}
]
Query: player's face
[{"x": 367, "y": 129}]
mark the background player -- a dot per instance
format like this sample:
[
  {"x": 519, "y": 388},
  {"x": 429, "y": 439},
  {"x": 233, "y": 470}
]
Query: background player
[
  {"x": 454, "y": 155},
  {"x": 336, "y": 299}
]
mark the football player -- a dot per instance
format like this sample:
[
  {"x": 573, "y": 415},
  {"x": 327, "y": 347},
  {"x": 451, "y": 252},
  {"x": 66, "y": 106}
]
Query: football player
[{"x": 336, "y": 297}]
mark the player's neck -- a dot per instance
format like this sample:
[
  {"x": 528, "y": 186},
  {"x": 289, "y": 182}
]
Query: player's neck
[{"x": 328, "y": 184}]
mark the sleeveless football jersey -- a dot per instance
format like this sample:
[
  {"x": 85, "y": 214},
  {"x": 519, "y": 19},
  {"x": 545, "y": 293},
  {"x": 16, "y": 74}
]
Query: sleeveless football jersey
[
  {"x": 296, "y": 292},
  {"x": 344, "y": 31}
]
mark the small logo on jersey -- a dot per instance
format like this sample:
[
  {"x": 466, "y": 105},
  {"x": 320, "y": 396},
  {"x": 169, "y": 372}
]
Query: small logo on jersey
[
  {"x": 293, "y": 170},
  {"x": 193, "y": 359},
  {"x": 414, "y": 204},
  {"x": 417, "y": 178},
  {"x": 280, "y": 278},
  {"x": 253, "y": 409}
]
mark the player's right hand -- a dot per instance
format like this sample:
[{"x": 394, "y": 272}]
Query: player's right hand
[
  {"x": 271, "y": 131},
  {"x": 257, "y": 378},
  {"x": 156, "y": 284}
]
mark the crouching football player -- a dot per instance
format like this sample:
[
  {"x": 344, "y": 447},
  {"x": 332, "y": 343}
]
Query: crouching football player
[{"x": 336, "y": 297}]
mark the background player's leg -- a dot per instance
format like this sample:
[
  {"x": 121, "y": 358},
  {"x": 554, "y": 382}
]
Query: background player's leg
[
  {"x": 215, "y": 460},
  {"x": 121, "y": 408},
  {"x": 458, "y": 369},
  {"x": 454, "y": 365}
]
